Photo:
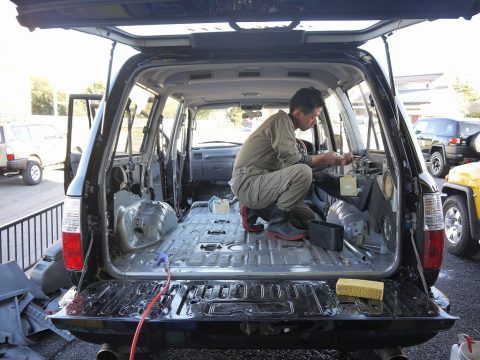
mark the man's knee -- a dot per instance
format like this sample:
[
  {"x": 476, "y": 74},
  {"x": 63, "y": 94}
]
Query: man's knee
[{"x": 303, "y": 173}]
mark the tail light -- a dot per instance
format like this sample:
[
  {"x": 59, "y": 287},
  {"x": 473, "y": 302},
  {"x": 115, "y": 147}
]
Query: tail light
[
  {"x": 454, "y": 141},
  {"x": 10, "y": 153},
  {"x": 71, "y": 236},
  {"x": 433, "y": 231}
]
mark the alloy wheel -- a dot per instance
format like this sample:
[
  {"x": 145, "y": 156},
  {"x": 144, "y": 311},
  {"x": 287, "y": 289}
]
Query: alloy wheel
[{"x": 453, "y": 225}]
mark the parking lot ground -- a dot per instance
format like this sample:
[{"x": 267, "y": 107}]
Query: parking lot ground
[{"x": 19, "y": 200}]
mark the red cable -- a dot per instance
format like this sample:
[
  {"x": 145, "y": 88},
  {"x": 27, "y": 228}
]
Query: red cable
[{"x": 145, "y": 314}]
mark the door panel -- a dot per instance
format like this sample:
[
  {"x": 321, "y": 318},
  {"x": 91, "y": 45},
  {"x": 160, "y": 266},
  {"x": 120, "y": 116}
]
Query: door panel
[{"x": 81, "y": 112}]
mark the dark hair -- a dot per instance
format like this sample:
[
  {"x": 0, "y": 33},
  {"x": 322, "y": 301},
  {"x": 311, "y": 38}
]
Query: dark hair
[{"x": 307, "y": 99}]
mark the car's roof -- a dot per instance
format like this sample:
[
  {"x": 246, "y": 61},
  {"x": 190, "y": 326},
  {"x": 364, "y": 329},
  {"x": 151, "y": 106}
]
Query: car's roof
[{"x": 260, "y": 81}]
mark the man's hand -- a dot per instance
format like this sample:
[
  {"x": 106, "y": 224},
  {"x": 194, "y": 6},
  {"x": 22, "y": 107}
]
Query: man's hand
[
  {"x": 331, "y": 158},
  {"x": 344, "y": 159},
  {"x": 301, "y": 146}
]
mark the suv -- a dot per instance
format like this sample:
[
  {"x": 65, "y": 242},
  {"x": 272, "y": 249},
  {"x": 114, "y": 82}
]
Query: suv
[
  {"x": 447, "y": 142},
  {"x": 461, "y": 209},
  {"x": 26, "y": 148},
  {"x": 138, "y": 220}
]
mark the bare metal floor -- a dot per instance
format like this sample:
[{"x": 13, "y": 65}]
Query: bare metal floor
[{"x": 211, "y": 244}]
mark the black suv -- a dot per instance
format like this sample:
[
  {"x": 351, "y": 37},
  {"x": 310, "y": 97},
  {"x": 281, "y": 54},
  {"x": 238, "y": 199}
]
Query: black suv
[
  {"x": 447, "y": 142},
  {"x": 140, "y": 221}
]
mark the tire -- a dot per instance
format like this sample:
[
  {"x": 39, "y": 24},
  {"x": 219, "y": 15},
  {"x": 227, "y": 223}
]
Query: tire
[
  {"x": 474, "y": 142},
  {"x": 438, "y": 168},
  {"x": 32, "y": 175},
  {"x": 458, "y": 239}
]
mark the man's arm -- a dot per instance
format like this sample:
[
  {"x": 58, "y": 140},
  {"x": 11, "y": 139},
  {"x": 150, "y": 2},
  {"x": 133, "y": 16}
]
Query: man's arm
[{"x": 330, "y": 158}]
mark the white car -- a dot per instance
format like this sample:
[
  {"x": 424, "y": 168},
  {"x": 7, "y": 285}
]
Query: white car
[{"x": 27, "y": 148}]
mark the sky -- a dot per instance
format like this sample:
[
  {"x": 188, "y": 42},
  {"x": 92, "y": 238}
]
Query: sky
[{"x": 72, "y": 60}]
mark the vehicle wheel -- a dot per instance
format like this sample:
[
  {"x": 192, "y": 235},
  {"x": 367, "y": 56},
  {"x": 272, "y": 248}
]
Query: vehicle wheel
[
  {"x": 32, "y": 175},
  {"x": 458, "y": 240},
  {"x": 438, "y": 168}
]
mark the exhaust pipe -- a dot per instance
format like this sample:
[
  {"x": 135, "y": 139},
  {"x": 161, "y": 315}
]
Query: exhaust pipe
[
  {"x": 391, "y": 354},
  {"x": 107, "y": 352}
]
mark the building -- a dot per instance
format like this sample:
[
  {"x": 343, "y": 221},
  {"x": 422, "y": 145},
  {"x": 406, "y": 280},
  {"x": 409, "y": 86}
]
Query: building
[{"x": 430, "y": 95}]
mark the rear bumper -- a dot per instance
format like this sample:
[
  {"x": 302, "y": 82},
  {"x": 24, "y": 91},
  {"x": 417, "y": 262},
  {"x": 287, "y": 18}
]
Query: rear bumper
[
  {"x": 227, "y": 314},
  {"x": 459, "y": 154},
  {"x": 16, "y": 165}
]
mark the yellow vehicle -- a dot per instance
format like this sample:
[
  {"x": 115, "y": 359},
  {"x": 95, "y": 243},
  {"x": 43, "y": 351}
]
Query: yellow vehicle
[{"x": 461, "y": 209}]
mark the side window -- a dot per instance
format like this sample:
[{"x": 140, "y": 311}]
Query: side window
[
  {"x": 366, "y": 116},
  {"x": 323, "y": 133},
  {"x": 432, "y": 126},
  {"x": 52, "y": 132},
  {"x": 181, "y": 138},
  {"x": 37, "y": 132},
  {"x": 306, "y": 135},
  {"x": 2, "y": 137},
  {"x": 421, "y": 126},
  {"x": 169, "y": 112},
  {"x": 338, "y": 125},
  {"x": 21, "y": 133},
  {"x": 135, "y": 119},
  {"x": 450, "y": 128}
]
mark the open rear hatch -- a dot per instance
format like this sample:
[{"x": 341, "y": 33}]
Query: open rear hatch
[{"x": 118, "y": 20}]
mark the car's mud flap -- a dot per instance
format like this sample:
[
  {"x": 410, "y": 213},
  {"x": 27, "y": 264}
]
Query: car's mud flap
[{"x": 230, "y": 314}]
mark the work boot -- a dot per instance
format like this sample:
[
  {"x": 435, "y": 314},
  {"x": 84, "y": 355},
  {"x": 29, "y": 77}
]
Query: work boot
[
  {"x": 249, "y": 219},
  {"x": 279, "y": 227}
]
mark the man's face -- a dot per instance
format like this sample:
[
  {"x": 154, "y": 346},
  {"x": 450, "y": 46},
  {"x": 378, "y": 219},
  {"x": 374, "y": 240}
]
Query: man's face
[{"x": 305, "y": 121}]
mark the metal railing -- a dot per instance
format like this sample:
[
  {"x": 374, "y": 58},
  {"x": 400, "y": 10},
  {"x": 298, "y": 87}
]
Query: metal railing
[{"x": 26, "y": 240}]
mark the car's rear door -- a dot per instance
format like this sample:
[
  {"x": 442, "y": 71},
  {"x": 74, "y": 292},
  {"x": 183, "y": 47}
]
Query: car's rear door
[{"x": 81, "y": 113}]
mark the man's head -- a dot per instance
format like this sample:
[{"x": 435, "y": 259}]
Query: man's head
[{"x": 305, "y": 106}]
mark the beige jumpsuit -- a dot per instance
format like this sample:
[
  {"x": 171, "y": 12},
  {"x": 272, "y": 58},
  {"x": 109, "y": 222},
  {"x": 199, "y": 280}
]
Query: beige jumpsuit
[{"x": 267, "y": 170}]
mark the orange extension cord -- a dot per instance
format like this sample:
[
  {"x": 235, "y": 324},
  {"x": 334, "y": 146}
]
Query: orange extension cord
[{"x": 145, "y": 314}]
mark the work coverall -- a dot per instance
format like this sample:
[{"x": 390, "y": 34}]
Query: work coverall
[{"x": 268, "y": 170}]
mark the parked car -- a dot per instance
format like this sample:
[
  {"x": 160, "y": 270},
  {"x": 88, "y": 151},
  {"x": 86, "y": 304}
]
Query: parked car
[
  {"x": 137, "y": 213},
  {"x": 27, "y": 148},
  {"x": 445, "y": 142},
  {"x": 461, "y": 209}
]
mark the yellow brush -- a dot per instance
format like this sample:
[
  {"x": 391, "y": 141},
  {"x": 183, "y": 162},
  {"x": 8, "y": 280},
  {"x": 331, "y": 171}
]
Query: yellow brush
[{"x": 360, "y": 288}]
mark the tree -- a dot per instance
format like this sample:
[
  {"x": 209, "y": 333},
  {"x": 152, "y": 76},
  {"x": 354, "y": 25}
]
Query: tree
[
  {"x": 235, "y": 115},
  {"x": 466, "y": 90},
  {"x": 97, "y": 87},
  {"x": 42, "y": 96},
  {"x": 204, "y": 114},
  {"x": 62, "y": 102}
]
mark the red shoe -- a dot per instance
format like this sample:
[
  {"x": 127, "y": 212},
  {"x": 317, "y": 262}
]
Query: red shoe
[{"x": 249, "y": 219}]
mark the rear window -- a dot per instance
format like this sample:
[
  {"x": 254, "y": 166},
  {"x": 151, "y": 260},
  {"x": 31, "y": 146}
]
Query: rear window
[
  {"x": 2, "y": 137},
  {"x": 469, "y": 128}
]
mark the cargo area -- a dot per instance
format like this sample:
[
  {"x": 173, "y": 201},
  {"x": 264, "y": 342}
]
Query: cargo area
[{"x": 204, "y": 243}]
